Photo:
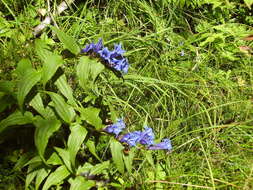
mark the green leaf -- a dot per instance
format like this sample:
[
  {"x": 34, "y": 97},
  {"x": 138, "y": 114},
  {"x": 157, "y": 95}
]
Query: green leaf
[
  {"x": 54, "y": 159},
  {"x": 65, "y": 111},
  {"x": 41, "y": 175},
  {"x": 248, "y": 3},
  {"x": 26, "y": 83},
  {"x": 81, "y": 183},
  {"x": 76, "y": 138},
  {"x": 22, "y": 161},
  {"x": 91, "y": 146},
  {"x": 68, "y": 41},
  {"x": 17, "y": 118},
  {"x": 65, "y": 89},
  {"x": 128, "y": 160},
  {"x": 33, "y": 170},
  {"x": 44, "y": 130},
  {"x": 99, "y": 168},
  {"x": 91, "y": 115},
  {"x": 117, "y": 155},
  {"x": 56, "y": 177},
  {"x": 37, "y": 104},
  {"x": 65, "y": 156},
  {"x": 51, "y": 64},
  {"x": 24, "y": 66},
  {"x": 87, "y": 71},
  {"x": 7, "y": 86}
]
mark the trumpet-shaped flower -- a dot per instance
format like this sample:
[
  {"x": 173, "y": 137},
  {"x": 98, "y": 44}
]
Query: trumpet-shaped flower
[
  {"x": 116, "y": 128},
  {"x": 131, "y": 138},
  {"x": 147, "y": 136},
  {"x": 164, "y": 145}
]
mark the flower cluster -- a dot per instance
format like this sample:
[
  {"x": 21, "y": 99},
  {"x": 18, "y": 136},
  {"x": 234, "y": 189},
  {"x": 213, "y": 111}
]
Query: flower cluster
[
  {"x": 113, "y": 59},
  {"x": 145, "y": 137}
]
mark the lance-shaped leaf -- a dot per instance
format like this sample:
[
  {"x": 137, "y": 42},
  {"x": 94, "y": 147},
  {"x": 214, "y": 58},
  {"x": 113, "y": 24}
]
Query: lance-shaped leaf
[
  {"x": 16, "y": 118},
  {"x": 65, "y": 111},
  {"x": 44, "y": 130},
  {"x": 56, "y": 177},
  {"x": 68, "y": 41},
  {"x": 25, "y": 84},
  {"x": 76, "y": 138},
  {"x": 80, "y": 182},
  {"x": 117, "y": 155},
  {"x": 87, "y": 71},
  {"x": 91, "y": 115}
]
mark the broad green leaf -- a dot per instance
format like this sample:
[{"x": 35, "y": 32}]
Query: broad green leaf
[
  {"x": 117, "y": 155},
  {"x": 7, "y": 86},
  {"x": 56, "y": 177},
  {"x": 86, "y": 168},
  {"x": 68, "y": 41},
  {"x": 65, "y": 156},
  {"x": 42, "y": 49},
  {"x": 99, "y": 168},
  {"x": 16, "y": 118},
  {"x": 128, "y": 160},
  {"x": 41, "y": 175},
  {"x": 26, "y": 83},
  {"x": 91, "y": 146},
  {"x": 81, "y": 183},
  {"x": 33, "y": 170},
  {"x": 87, "y": 71},
  {"x": 65, "y": 89},
  {"x": 44, "y": 130},
  {"x": 54, "y": 159},
  {"x": 65, "y": 111},
  {"x": 248, "y": 3},
  {"x": 50, "y": 66},
  {"x": 38, "y": 105},
  {"x": 76, "y": 138},
  {"x": 91, "y": 115},
  {"x": 24, "y": 66}
]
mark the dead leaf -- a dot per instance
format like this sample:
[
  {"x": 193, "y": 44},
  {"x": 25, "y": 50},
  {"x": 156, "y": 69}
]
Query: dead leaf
[{"x": 250, "y": 37}]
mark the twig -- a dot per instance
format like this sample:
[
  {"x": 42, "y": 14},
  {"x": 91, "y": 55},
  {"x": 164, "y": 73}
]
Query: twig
[{"x": 60, "y": 8}]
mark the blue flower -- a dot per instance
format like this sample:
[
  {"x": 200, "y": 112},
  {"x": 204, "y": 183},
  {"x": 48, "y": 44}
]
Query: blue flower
[
  {"x": 164, "y": 145},
  {"x": 90, "y": 48},
  {"x": 118, "y": 49},
  {"x": 147, "y": 137},
  {"x": 116, "y": 128},
  {"x": 119, "y": 64},
  {"x": 131, "y": 138},
  {"x": 105, "y": 54}
]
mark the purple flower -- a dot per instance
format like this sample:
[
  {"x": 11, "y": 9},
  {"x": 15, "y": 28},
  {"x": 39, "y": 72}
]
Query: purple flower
[
  {"x": 118, "y": 49},
  {"x": 90, "y": 48},
  {"x": 105, "y": 54},
  {"x": 116, "y": 128},
  {"x": 164, "y": 145},
  {"x": 131, "y": 138},
  {"x": 147, "y": 137},
  {"x": 119, "y": 64}
]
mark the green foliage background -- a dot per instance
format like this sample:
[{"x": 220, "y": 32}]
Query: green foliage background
[{"x": 188, "y": 80}]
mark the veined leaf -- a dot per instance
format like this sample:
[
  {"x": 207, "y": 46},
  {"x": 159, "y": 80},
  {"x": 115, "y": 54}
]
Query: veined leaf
[
  {"x": 248, "y": 3},
  {"x": 41, "y": 175},
  {"x": 91, "y": 115},
  {"x": 81, "y": 183},
  {"x": 99, "y": 168},
  {"x": 65, "y": 111},
  {"x": 44, "y": 130},
  {"x": 76, "y": 138},
  {"x": 91, "y": 146},
  {"x": 7, "y": 86},
  {"x": 24, "y": 66},
  {"x": 65, "y": 89},
  {"x": 50, "y": 66},
  {"x": 56, "y": 177},
  {"x": 54, "y": 159},
  {"x": 16, "y": 118},
  {"x": 117, "y": 155},
  {"x": 65, "y": 156},
  {"x": 26, "y": 83},
  {"x": 128, "y": 160},
  {"x": 68, "y": 41},
  {"x": 33, "y": 170},
  {"x": 87, "y": 71},
  {"x": 38, "y": 105}
]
